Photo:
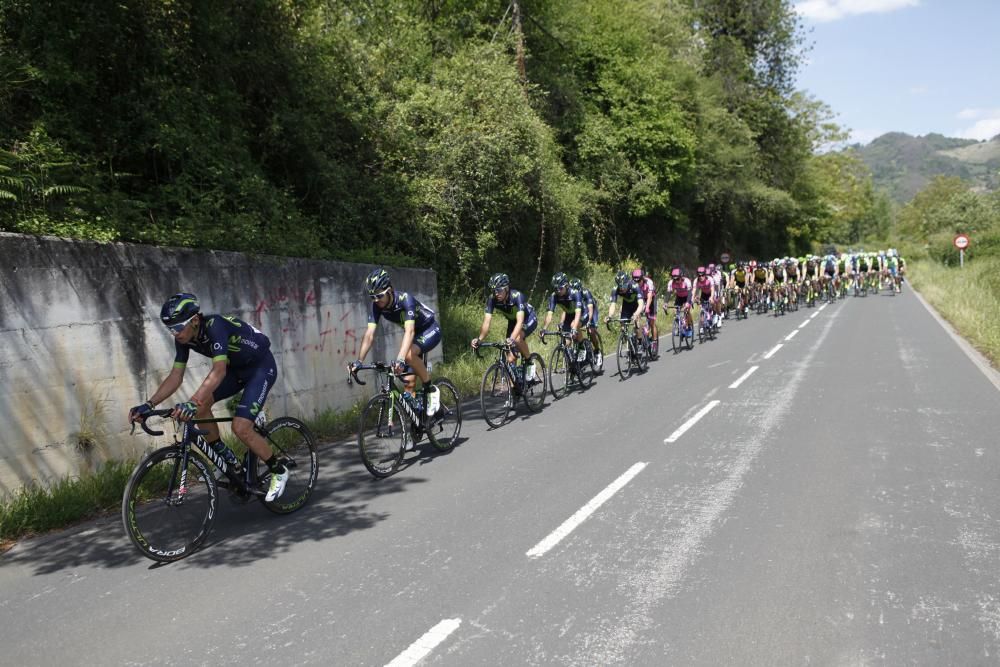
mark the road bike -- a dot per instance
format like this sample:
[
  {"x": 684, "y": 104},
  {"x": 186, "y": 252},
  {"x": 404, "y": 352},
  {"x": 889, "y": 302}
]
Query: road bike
[
  {"x": 504, "y": 382},
  {"x": 706, "y": 323},
  {"x": 170, "y": 499},
  {"x": 681, "y": 333},
  {"x": 630, "y": 352},
  {"x": 565, "y": 370},
  {"x": 390, "y": 424}
]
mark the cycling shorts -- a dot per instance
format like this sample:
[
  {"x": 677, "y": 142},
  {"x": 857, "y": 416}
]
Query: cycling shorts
[
  {"x": 428, "y": 339},
  {"x": 528, "y": 328},
  {"x": 680, "y": 302},
  {"x": 254, "y": 381}
]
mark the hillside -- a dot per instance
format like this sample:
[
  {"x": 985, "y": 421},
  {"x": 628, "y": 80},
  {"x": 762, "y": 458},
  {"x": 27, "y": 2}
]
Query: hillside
[{"x": 902, "y": 164}]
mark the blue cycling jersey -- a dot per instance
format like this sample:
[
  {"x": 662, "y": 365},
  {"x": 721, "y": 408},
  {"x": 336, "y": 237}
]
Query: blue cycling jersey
[
  {"x": 228, "y": 339},
  {"x": 630, "y": 294},
  {"x": 516, "y": 303},
  {"x": 404, "y": 308},
  {"x": 569, "y": 302}
]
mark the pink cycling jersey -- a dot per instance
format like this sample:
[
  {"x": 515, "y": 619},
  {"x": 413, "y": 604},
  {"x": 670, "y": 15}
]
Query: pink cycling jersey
[
  {"x": 681, "y": 287},
  {"x": 648, "y": 292},
  {"x": 704, "y": 285}
]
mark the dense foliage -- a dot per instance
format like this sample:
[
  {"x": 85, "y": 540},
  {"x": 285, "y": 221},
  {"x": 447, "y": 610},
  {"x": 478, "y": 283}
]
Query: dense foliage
[{"x": 465, "y": 135}]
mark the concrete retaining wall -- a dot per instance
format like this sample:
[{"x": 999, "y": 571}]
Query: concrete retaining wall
[{"x": 81, "y": 340}]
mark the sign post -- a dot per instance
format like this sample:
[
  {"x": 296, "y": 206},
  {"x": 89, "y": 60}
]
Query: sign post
[{"x": 961, "y": 242}]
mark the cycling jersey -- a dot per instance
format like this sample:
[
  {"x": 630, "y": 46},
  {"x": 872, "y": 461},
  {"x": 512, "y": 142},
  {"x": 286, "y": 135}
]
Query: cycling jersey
[
  {"x": 569, "y": 302},
  {"x": 228, "y": 339},
  {"x": 404, "y": 308},
  {"x": 631, "y": 294},
  {"x": 704, "y": 285},
  {"x": 740, "y": 276},
  {"x": 587, "y": 298},
  {"x": 760, "y": 275},
  {"x": 516, "y": 303},
  {"x": 810, "y": 269},
  {"x": 681, "y": 287}
]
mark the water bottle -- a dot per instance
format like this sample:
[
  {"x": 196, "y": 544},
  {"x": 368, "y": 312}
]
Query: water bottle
[{"x": 529, "y": 373}]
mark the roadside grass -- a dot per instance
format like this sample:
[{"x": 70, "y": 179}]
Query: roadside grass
[
  {"x": 969, "y": 298},
  {"x": 36, "y": 509}
]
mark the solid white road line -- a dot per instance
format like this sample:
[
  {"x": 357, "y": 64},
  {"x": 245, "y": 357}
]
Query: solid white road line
[
  {"x": 773, "y": 351},
  {"x": 743, "y": 377},
  {"x": 581, "y": 515},
  {"x": 419, "y": 649},
  {"x": 791, "y": 335},
  {"x": 691, "y": 422}
]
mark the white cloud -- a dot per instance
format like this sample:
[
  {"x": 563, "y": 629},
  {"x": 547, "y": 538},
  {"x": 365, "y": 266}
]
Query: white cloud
[
  {"x": 985, "y": 128},
  {"x": 823, "y": 11},
  {"x": 973, "y": 114}
]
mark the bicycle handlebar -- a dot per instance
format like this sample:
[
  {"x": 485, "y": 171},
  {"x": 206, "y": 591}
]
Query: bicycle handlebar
[
  {"x": 379, "y": 366},
  {"x": 166, "y": 412},
  {"x": 502, "y": 346}
]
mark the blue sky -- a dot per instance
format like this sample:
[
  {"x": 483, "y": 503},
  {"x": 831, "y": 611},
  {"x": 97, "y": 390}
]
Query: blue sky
[{"x": 915, "y": 66}]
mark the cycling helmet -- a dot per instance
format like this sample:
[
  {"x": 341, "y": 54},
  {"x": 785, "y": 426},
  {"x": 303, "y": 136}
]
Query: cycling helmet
[
  {"x": 377, "y": 282},
  {"x": 701, "y": 270},
  {"x": 790, "y": 262},
  {"x": 776, "y": 262},
  {"x": 753, "y": 263},
  {"x": 498, "y": 281},
  {"x": 621, "y": 279},
  {"x": 637, "y": 274},
  {"x": 576, "y": 284},
  {"x": 559, "y": 280},
  {"x": 675, "y": 272},
  {"x": 179, "y": 308}
]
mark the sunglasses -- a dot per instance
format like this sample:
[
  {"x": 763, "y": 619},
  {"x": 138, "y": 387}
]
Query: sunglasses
[
  {"x": 179, "y": 327},
  {"x": 376, "y": 297}
]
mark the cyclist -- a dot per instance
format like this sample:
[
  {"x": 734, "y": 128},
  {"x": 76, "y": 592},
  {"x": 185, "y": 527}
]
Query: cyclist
[
  {"x": 569, "y": 301},
  {"x": 421, "y": 334},
  {"x": 241, "y": 360},
  {"x": 590, "y": 305},
  {"x": 633, "y": 304},
  {"x": 830, "y": 276},
  {"x": 704, "y": 287},
  {"x": 715, "y": 274},
  {"x": 680, "y": 286},
  {"x": 648, "y": 291},
  {"x": 792, "y": 273},
  {"x": 738, "y": 279},
  {"x": 761, "y": 278},
  {"x": 514, "y": 306}
]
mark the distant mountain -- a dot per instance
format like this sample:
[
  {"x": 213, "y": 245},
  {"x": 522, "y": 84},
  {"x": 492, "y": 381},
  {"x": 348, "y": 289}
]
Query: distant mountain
[{"x": 902, "y": 164}]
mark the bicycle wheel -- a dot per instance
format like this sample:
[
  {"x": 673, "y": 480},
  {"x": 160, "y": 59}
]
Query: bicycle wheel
[
  {"x": 585, "y": 369},
  {"x": 382, "y": 433},
  {"x": 641, "y": 360},
  {"x": 534, "y": 389},
  {"x": 169, "y": 504},
  {"x": 675, "y": 336},
  {"x": 445, "y": 426},
  {"x": 293, "y": 443},
  {"x": 496, "y": 396},
  {"x": 558, "y": 372},
  {"x": 624, "y": 358}
]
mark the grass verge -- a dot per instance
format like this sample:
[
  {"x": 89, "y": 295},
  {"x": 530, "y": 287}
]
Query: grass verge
[{"x": 969, "y": 298}]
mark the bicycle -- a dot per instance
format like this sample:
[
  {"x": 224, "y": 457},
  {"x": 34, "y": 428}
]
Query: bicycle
[
  {"x": 503, "y": 384},
  {"x": 170, "y": 498},
  {"x": 681, "y": 334},
  {"x": 630, "y": 352},
  {"x": 706, "y": 324},
  {"x": 564, "y": 367},
  {"x": 389, "y": 423}
]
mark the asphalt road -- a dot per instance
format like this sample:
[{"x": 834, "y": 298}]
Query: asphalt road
[{"x": 838, "y": 507}]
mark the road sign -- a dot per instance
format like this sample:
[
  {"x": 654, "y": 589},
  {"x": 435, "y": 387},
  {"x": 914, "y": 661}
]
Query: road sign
[
  {"x": 961, "y": 241},
  {"x": 725, "y": 258}
]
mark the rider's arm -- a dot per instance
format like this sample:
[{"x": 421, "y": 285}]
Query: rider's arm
[
  {"x": 215, "y": 377},
  {"x": 485, "y": 328},
  {"x": 366, "y": 341}
]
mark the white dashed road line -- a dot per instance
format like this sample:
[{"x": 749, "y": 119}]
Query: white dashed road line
[
  {"x": 791, "y": 335},
  {"x": 581, "y": 515},
  {"x": 419, "y": 649},
  {"x": 773, "y": 351},
  {"x": 743, "y": 377},
  {"x": 691, "y": 422}
]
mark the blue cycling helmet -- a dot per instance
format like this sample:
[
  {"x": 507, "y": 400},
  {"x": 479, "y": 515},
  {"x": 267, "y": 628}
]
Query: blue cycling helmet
[
  {"x": 498, "y": 281},
  {"x": 576, "y": 284},
  {"x": 560, "y": 280},
  {"x": 377, "y": 282},
  {"x": 622, "y": 279},
  {"x": 179, "y": 308}
]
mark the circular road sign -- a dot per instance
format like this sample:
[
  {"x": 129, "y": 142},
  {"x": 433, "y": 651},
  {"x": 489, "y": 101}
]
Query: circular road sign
[
  {"x": 961, "y": 241},
  {"x": 725, "y": 257}
]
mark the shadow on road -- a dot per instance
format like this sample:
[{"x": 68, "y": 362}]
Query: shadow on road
[{"x": 241, "y": 534}]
